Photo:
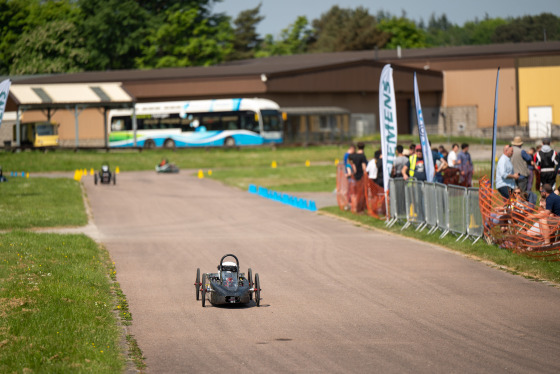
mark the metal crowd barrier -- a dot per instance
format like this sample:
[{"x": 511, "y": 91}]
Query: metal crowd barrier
[
  {"x": 442, "y": 209},
  {"x": 413, "y": 192},
  {"x": 447, "y": 208},
  {"x": 397, "y": 205},
  {"x": 430, "y": 206},
  {"x": 457, "y": 209},
  {"x": 475, "y": 228}
]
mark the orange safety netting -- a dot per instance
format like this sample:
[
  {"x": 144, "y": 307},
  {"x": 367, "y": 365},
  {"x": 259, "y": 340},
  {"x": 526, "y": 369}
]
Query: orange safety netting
[
  {"x": 350, "y": 193},
  {"x": 516, "y": 225},
  {"x": 375, "y": 199},
  {"x": 342, "y": 192}
]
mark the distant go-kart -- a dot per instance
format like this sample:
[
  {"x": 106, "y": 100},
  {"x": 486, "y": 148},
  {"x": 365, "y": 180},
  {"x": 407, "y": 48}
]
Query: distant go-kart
[
  {"x": 167, "y": 168},
  {"x": 105, "y": 176},
  {"x": 228, "y": 286}
]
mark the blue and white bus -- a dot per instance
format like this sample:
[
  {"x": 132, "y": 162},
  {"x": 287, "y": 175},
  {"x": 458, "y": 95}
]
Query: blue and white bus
[{"x": 198, "y": 123}]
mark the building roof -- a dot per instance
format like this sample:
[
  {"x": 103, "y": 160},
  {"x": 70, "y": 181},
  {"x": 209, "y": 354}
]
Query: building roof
[
  {"x": 271, "y": 66},
  {"x": 37, "y": 96}
]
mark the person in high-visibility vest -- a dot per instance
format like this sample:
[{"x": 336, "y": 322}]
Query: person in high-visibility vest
[{"x": 415, "y": 167}]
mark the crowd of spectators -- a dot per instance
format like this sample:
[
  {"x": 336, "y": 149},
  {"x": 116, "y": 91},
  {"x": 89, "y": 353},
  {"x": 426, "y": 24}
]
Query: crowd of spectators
[{"x": 525, "y": 202}]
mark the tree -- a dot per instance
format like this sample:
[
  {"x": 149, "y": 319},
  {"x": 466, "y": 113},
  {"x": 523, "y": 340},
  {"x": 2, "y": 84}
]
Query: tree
[
  {"x": 113, "y": 31},
  {"x": 246, "y": 39},
  {"x": 441, "y": 32},
  {"x": 53, "y": 47},
  {"x": 293, "y": 40},
  {"x": 545, "y": 26},
  {"x": 403, "y": 33},
  {"x": 186, "y": 38},
  {"x": 346, "y": 30},
  {"x": 481, "y": 32}
]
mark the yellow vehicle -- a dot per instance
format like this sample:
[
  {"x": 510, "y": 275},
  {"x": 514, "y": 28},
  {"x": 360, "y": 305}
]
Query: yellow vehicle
[{"x": 37, "y": 134}]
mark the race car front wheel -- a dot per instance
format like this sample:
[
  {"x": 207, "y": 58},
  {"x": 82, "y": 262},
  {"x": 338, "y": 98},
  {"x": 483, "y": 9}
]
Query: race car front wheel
[
  {"x": 197, "y": 284},
  {"x": 203, "y": 290},
  {"x": 257, "y": 290},
  {"x": 250, "y": 279}
]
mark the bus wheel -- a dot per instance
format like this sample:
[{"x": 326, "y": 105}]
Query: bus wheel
[
  {"x": 169, "y": 143},
  {"x": 149, "y": 144},
  {"x": 229, "y": 142}
]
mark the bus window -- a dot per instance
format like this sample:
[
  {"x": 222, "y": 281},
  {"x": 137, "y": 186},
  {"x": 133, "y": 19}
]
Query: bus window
[
  {"x": 248, "y": 122},
  {"x": 121, "y": 123},
  {"x": 230, "y": 122},
  {"x": 211, "y": 123}
]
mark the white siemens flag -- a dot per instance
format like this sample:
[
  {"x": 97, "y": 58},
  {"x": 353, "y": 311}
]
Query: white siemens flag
[
  {"x": 4, "y": 90},
  {"x": 387, "y": 122},
  {"x": 426, "y": 151}
]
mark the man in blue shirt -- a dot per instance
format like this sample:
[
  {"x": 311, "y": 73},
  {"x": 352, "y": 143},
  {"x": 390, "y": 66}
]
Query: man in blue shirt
[
  {"x": 505, "y": 177},
  {"x": 552, "y": 200}
]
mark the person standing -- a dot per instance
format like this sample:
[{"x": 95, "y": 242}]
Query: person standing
[
  {"x": 372, "y": 169},
  {"x": 519, "y": 161},
  {"x": 452, "y": 156},
  {"x": 546, "y": 161},
  {"x": 378, "y": 157},
  {"x": 360, "y": 161},
  {"x": 415, "y": 167},
  {"x": 464, "y": 163},
  {"x": 399, "y": 162},
  {"x": 505, "y": 177},
  {"x": 351, "y": 150},
  {"x": 531, "y": 168}
]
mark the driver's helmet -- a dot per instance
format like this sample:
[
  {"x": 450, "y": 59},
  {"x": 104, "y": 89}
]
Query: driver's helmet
[{"x": 105, "y": 168}]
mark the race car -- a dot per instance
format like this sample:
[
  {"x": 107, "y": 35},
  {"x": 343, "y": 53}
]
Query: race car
[
  {"x": 105, "y": 176},
  {"x": 228, "y": 285},
  {"x": 166, "y": 167}
]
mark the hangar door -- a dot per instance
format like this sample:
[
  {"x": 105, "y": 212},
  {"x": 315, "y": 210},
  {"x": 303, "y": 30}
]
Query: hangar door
[{"x": 540, "y": 119}]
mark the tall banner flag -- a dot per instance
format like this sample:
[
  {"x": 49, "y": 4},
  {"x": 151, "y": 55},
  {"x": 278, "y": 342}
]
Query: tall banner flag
[
  {"x": 494, "y": 131},
  {"x": 426, "y": 151},
  {"x": 4, "y": 90},
  {"x": 387, "y": 122}
]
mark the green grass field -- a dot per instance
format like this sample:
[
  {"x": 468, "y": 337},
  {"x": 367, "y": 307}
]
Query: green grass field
[{"x": 57, "y": 306}]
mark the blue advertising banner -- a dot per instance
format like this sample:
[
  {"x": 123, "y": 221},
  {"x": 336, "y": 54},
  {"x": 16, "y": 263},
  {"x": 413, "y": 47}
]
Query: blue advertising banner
[{"x": 426, "y": 151}]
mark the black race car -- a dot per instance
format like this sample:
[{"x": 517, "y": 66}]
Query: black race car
[
  {"x": 105, "y": 175},
  {"x": 228, "y": 286}
]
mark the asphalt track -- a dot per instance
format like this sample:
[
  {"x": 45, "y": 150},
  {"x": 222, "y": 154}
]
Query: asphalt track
[{"x": 336, "y": 298}]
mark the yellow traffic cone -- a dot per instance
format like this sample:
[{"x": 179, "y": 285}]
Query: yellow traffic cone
[
  {"x": 117, "y": 170},
  {"x": 27, "y": 175},
  {"x": 273, "y": 165},
  {"x": 307, "y": 163},
  {"x": 209, "y": 173},
  {"x": 336, "y": 162},
  {"x": 200, "y": 174},
  {"x": 91, "y": 172}
]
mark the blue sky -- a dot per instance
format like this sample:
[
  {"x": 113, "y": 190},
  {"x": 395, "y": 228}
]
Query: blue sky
[{"x": 279, "y": 14}]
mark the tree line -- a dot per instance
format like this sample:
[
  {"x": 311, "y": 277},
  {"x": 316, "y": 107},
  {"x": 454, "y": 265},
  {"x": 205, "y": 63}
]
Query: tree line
[{"x": 65, "y": 36}]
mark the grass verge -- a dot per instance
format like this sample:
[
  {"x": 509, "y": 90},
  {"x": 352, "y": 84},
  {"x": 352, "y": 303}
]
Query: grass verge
[
  {"x": 514, "y": 263},
  {"x": 57, "y": 305},
  {"x": 41, "y": 202}
]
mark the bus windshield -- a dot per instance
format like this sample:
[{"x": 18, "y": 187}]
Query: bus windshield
[
  {"x": 46, "y": 129},
  {"x": 272, "y": 120}
]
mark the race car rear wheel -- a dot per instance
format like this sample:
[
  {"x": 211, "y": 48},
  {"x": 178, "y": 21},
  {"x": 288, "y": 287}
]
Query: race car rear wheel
[
  {"x": 203, "y": 290},
  {"x": 257, "y": 290},
  {"x": 197, "y": 284},
  {"x": 250, "y": 279}
]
